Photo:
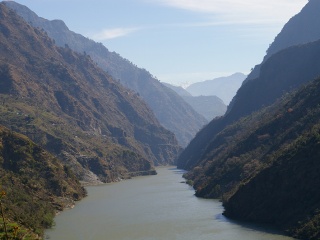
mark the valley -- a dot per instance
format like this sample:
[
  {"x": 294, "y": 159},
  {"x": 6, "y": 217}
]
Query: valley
[{"x": 74, "y": 114}]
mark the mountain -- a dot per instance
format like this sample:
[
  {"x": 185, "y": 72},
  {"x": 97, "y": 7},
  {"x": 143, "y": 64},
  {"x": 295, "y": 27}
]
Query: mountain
[
  {"x": 265, "y": 166},
  {"x": 65, "y": 103},
  {"x": 208, "y": 106},
  {"x": 261, "y": 157},
  {"x": 223, "y": 87},
  {"x": 300, "y": 29},
  {"x": 180, "y": 90},
  {"x": 170, "y": 109},
  {"x": 279, "y": 74},
  {"x": 35, "y": 183}
]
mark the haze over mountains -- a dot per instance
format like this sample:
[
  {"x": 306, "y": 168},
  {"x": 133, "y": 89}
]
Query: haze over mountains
[
  {"x": 223, "y": 87},
  {"x": 208, "y": 106},
  {"x": 170, "y": 109}
]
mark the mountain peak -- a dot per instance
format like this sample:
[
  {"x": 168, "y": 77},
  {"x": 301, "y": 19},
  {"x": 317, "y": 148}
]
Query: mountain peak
[{"x": 301, "y": 28}]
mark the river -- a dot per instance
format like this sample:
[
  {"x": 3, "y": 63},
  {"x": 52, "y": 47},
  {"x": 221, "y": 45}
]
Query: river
[{"x": 151, "y": 208}]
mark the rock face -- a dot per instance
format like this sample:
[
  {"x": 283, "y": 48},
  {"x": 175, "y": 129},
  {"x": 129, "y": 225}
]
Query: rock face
[
  {"x": 36, "y": 184},
  {"x": 64, "y": 102},
  {"x": 170, "y": 109}
]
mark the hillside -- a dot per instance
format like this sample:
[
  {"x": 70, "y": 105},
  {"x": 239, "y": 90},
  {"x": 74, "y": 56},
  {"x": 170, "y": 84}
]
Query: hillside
[
  {"x": 170, "y": 109},
  {"x": 265, "y": 166},
  {"x": 65, "y": 103},
  {"x": 208, "y": 106},
  {"x": 223, "y": 87},
  {"x": 35, "y": 183},
  {"x": 284, "y": 189},
  {"x": 281, "y": 73}
]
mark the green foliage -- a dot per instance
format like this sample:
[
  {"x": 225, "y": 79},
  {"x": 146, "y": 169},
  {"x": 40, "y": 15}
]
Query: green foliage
[{"x": 36, "y": 184}]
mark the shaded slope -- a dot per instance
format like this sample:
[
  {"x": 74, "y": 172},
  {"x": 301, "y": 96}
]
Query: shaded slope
[
  {"x": 300, "y": 29},
  {"x": 280, "y": 74},
  {"x": 64, "y": 102},
  {"x": 172, "y": 111},
  {"x": 285, "y": 191}
]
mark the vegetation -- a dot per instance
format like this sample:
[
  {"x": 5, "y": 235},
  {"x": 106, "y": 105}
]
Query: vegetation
[{"x": 34, "y": 186}]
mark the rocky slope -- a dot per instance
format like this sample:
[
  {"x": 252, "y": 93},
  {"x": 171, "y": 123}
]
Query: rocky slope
[
  {"x": 35, "y": 183},
  {"x": 65, "y": 103},
  {"x": 170, "y": 109}
]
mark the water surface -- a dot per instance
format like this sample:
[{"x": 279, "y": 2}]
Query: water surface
[{"x": 151, "y": 208}]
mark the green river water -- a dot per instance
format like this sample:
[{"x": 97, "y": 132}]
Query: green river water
[{"x": 151, "y": 208}]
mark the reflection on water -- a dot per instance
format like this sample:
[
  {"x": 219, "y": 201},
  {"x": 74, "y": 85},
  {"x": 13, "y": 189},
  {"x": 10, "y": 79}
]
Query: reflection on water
[{"x": 151, "y": 208}]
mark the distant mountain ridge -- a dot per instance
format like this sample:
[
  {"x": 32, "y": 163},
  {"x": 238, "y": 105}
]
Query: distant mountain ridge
[
  {"x": 223, "y": 87},
  {"x": 64, "y": 102},
  {"x": 170, "y": 109},
  {"x": 208, "y": 106}
]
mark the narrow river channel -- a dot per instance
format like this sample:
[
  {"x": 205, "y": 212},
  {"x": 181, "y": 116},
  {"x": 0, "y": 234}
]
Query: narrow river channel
[{"x": 151, "y": 208}]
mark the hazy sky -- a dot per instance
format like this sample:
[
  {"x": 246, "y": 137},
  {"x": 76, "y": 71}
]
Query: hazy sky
[{"x": 178, "y": 41}]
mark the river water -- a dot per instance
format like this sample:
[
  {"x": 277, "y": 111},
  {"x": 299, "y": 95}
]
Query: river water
[{"x": 151, "y": 208}]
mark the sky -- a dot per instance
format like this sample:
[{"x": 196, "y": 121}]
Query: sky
[{"x": 178, "y": 41}]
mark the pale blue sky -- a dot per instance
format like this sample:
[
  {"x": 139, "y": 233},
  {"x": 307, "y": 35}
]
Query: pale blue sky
[{"x": 178, "y": 41}]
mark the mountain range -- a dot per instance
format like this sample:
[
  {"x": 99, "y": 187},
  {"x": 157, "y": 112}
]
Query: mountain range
[
  {"x": 63, "y": 118},
  {"x": 169, "y": 108},
  {"x": 208, "y": 106},
  {"x": 223, "y": 87}
]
